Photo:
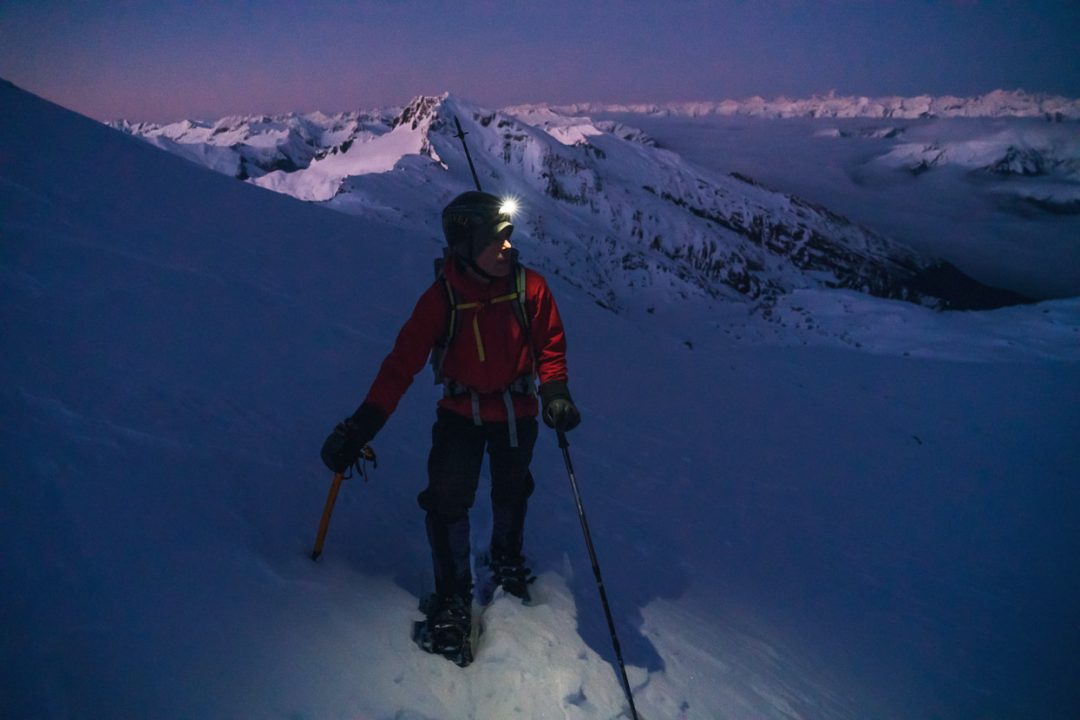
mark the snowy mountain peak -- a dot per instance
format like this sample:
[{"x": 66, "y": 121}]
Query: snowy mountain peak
[{"x": 424, "y": 109}]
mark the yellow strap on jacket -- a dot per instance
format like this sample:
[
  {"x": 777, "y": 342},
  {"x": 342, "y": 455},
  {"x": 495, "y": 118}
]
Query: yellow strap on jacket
[{"x": 476, "y": 318}]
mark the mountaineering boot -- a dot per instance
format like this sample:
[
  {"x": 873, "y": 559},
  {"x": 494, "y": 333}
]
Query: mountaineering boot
[
  {"x": 511, "y": 574},
  {"x": 447, "y": 631},
  {"x": 451, "y": 622}
]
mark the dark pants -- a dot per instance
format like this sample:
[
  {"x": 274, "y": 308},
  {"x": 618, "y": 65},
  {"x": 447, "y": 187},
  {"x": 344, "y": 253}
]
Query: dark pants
[{"x": 457, "y": 452}]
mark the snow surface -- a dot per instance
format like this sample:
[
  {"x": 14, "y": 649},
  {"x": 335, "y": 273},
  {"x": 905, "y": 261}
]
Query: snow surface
[{"x": 833, "y": 506}]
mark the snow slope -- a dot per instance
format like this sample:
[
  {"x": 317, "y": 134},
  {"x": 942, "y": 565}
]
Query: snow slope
[{"x": 787, "y": 530}]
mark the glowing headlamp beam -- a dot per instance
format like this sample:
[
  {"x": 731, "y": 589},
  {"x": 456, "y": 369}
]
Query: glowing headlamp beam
[{"x": 509, "y": 206}]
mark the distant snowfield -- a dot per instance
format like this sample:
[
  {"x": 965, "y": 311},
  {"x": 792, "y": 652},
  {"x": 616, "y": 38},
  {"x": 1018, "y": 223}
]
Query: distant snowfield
[{"x": 830, "y": 506}]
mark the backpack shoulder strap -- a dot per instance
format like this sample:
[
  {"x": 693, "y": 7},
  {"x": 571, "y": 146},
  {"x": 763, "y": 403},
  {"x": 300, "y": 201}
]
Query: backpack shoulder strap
[
  {"x": 438, "y": 353},
  {"x": 521, "y": 307},
  {"x": 521, "y": 311}
]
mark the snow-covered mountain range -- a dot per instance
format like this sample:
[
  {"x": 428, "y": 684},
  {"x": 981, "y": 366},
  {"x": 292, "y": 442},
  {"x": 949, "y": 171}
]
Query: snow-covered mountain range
[
  {"x": 251, "y": 146},
  {"x": 632, "y": 223},
  {"x": 999, "y": 103}
]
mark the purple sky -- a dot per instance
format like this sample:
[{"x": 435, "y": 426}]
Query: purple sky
[{"x": 169, "y": 60}]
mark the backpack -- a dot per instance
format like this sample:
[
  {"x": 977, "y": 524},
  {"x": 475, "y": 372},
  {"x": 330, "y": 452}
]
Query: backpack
[{"x": 527, "y": 383}]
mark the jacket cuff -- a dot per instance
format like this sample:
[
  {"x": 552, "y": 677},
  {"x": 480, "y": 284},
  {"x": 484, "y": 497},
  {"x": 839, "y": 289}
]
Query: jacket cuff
[
  {"x": 554, "y": 389},
  {"x": 369, "y": 419}
]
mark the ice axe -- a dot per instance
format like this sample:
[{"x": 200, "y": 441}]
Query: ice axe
[{"x": 335, "y": 485}]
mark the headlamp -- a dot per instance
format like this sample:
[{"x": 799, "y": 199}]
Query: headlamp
[{"x": 509, "y": 206}]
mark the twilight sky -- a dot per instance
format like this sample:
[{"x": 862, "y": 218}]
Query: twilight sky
[{"x": 169, "y": 60}]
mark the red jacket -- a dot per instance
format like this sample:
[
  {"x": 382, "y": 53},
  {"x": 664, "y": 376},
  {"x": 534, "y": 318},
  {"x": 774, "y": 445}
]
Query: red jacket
[{"x": 506, "y": 352}]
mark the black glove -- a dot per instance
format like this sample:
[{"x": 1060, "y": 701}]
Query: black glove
[
  {"x": 347, "y": 440},
  {"x": 559, "y": 411}
]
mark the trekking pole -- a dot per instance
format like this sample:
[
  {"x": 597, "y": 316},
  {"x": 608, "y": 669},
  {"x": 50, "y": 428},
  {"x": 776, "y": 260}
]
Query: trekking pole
[
  {"x": 461, "y": 136},
  {"x": 366, "y": 454},
  {"x": 596, "y": 571}
]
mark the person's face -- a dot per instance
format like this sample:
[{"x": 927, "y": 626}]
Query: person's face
[{"x": 496, "y": 258}]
